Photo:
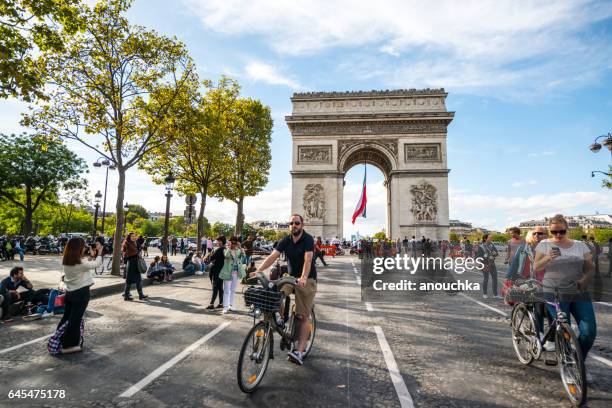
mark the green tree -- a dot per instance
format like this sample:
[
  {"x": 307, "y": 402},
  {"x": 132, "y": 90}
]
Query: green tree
[
  {"x": 454, "y": 237},
  {"x": 137, "y": 211},
  {"x": 38, "y": 168},
  {"x": 27, "y": 28},
  {"x": 113, "y": 87},
  {"x": 194, "y": 152},
  {"x": 247, "y": 155},
  {"x": 380, "y": 235},
  {"x": 220, "y": 228}
]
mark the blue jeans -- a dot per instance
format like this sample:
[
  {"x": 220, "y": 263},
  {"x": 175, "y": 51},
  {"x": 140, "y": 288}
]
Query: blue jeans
[
  {"x": 585, "y": 318},
  {"x": 20, "y": 252}
]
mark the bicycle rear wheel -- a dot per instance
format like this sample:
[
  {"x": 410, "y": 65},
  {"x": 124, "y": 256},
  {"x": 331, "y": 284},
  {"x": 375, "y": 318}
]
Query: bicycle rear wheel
[
  {"x": 254, "y": 357},
  {"x": 571, "y": 364},
  {"x": 524, "y": 334}
]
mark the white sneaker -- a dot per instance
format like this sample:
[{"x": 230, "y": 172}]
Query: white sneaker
[
  {"x": 497, "y": 297},
  {"x": 485, "y": 296},
  {"x": 549, "y": 345},
  {"x": 224, "y": 311}
]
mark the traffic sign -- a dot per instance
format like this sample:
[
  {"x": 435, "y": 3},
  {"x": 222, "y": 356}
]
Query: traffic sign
[{"x": 191, "y": 199}]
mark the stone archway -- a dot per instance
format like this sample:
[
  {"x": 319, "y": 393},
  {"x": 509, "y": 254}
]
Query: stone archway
[{"x": 403, "y": 133}]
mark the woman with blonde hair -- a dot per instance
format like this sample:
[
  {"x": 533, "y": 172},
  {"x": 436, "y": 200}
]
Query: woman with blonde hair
[{"x": 568, "y": 261}]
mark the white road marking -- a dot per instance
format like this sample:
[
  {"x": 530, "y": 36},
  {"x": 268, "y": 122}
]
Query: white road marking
[
  {"x": 603, "y": 303},
  {"x": 496, "y": 310},
  {"x": 358, "y": 279},
  {"x": 396, "y": 377},
  {"x": 348, "y": 352},
  {"x": 369, "y": 307},
  {"x": 600, "y": 359},
  {"x": 170, "y": 363},
  {"x": 8, "y": 350}
]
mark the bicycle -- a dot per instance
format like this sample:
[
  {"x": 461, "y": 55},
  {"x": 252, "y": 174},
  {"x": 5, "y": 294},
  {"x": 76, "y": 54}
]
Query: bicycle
[
  {"x": 527, "y": 343},
  {"x": 258, "y": 346}
]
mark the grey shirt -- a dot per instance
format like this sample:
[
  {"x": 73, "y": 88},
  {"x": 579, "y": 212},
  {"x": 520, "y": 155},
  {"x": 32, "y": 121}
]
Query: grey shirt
[{"x": 567, "y": 268}]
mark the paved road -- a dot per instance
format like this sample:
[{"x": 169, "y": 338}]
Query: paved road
[{"x": 439, "y": 351}]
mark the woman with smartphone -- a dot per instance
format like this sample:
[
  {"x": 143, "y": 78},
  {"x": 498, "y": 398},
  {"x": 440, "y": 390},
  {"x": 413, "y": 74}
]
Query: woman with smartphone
[
  {"x": 78, "y": 262},
  {"x": 568, "y": 261},
  {"x": 132, "y": 273}
]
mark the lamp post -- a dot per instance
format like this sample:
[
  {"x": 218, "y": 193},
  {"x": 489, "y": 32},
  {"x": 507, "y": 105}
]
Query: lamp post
[
  {"x": 97, "y": 198},
  {"x": 596, "y": 147},
  {"x": 109, "y": 166},
  {"x": 126, "y": 210},
  {"x": 169, "y": 184}
]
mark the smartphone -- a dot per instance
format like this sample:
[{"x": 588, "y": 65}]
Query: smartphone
[{"x": 555, "y": 250}]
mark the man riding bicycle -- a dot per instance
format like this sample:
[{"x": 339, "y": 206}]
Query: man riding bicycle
[{"x": 299, "y": 251}]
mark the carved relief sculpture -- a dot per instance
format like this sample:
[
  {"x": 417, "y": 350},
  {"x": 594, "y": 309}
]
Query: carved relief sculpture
[
  {"x": 314, "y": 201},
  {"x": 314, "y": 154},
  {"x": 424, "y": 202},
  {"x": 422, "y": 152}
]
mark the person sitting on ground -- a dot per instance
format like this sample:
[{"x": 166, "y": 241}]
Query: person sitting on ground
[
  {"x": 198, "y": 262},
  {"x": 9, "y": 289},
  {"x": 188, "y": 265},
  {"x": 167, "y": 267},
  {"x": 155, "y": 272}
]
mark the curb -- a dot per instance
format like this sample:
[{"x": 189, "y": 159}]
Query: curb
[{"x": 120, "y": 287}]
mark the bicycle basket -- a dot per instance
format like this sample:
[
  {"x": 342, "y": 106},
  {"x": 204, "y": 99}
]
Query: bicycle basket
[
  {"x": 263, "y": 299},
  {"x": 524, "y": 293}
]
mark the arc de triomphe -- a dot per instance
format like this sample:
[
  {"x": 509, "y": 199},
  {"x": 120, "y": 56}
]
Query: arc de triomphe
[{"x": 402, "y": 132}]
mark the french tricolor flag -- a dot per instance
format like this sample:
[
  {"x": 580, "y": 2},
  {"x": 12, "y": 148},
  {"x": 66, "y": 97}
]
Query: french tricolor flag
[{"x": 360, "y": 210}]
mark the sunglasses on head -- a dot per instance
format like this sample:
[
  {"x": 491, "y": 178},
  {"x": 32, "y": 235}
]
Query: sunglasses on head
[
  {"x": 558, "y": 232},
  {"x": 295, "y": 222}
]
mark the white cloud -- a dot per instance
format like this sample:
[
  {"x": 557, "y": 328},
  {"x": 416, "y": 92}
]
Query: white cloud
[
  {"x": 509, "y": 210},
  {"x": 524, "y": 183},
  {"x": 523, "y": 47},
  {"x": 262, "y": 72}
]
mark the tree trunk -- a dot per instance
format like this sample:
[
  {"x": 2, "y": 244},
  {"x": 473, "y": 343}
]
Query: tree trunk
[
  {"x": 27, "y": 225},
  {"x": 239, "y": 217},
  {"x": 119, "y": 226},
  {"x": 201, "y": 220}
]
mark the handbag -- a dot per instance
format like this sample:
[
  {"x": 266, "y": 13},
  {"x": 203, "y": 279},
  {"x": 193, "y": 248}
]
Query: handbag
[
  {"x": 60, "y": 301},
  {"x": 142, "y": 265}
]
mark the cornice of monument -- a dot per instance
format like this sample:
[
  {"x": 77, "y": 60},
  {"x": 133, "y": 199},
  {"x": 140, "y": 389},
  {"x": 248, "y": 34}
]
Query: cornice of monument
[
  {"x": 382, "y": 117},
  {"x": 368, "y": 94}
]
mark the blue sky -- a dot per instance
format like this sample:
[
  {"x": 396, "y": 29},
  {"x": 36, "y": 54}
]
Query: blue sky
[{"x": 530, "y": 82}]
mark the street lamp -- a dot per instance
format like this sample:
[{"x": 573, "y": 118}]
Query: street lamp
[
  {"x": 126, "y": 210},
  {"x": 169, "y": 180},
  {"x": 109, "y": 166},
  {"x": 596, "y": 147},
  {"x": 97, "y": 198}
]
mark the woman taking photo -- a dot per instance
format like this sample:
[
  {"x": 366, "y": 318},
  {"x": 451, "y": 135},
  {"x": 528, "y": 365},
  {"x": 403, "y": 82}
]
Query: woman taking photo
[
  {"x": 233, "y": 270},
  {"x": 68, "y": 337},
  {"x": 567, "y": 261},
  {"x": 132, "y": 273}
]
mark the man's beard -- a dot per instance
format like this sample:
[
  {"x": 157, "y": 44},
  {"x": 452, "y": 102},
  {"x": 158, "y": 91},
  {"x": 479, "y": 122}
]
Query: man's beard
[{"x": 296, "y": 232}]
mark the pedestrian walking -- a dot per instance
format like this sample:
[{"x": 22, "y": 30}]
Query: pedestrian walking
[
  {"x": 174, "y": 245},
  {"x": 77, "y": 277},
  {"x": 513, "y": 243},
  {"x": 132, "y": 272},
  {"x": 183, "y": 245},
  {"x": 145, "y": 247},
  {"x": 489, "y": 253},
  {"x": 319, "y": 252},
  {"x": 209, "y": 245},
  {"x": 413, "y": 246},
  {"x": 232, "y": 271},
  {"x": 596, "y": 249},
  {"x": 247, "y": 245},
  {"x": 217, "y": 260},
  {"x": 19, "y": 248}
]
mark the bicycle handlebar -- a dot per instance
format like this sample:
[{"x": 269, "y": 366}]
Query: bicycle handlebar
[
  {"x": 571, "y": 285},
  {"x": 265, "y": 282}
]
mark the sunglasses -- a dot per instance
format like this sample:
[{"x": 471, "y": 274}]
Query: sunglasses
[
  {"x": 559, "y": 232},
  {"x": 539, "y": 233},
  {"x": 295, "y": 223}
]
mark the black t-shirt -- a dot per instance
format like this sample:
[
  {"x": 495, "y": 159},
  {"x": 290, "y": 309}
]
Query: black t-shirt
[{"x": 294, "y": 251}]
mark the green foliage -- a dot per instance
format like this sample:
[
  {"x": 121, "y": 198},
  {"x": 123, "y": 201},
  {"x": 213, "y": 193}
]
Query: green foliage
[
  {"x": 220, "y": 228},
  {"x": 39, "y": 169},
  {"x": 136, "y": 211},
  {"x": 576, "y": 233},
  {"x": 28, "y": 27},
  {"x": 454, "y": 237},
  {"x": 500, "y": 237},
  {"x": 247, "y": 155},
  {"x": 380, "y": 235},
  {"x": 115, "y": 83},
  {"x": 602, "y": 235}
]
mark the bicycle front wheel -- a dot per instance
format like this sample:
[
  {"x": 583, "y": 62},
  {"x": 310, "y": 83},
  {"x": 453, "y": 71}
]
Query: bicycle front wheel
[
  {"x": 524, "y": 334},
  {"x": 571, "y": 364},
  {"x": 254, "y": 357}
]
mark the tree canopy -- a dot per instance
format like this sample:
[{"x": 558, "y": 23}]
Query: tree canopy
[{"x": 33, "y": 169}]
